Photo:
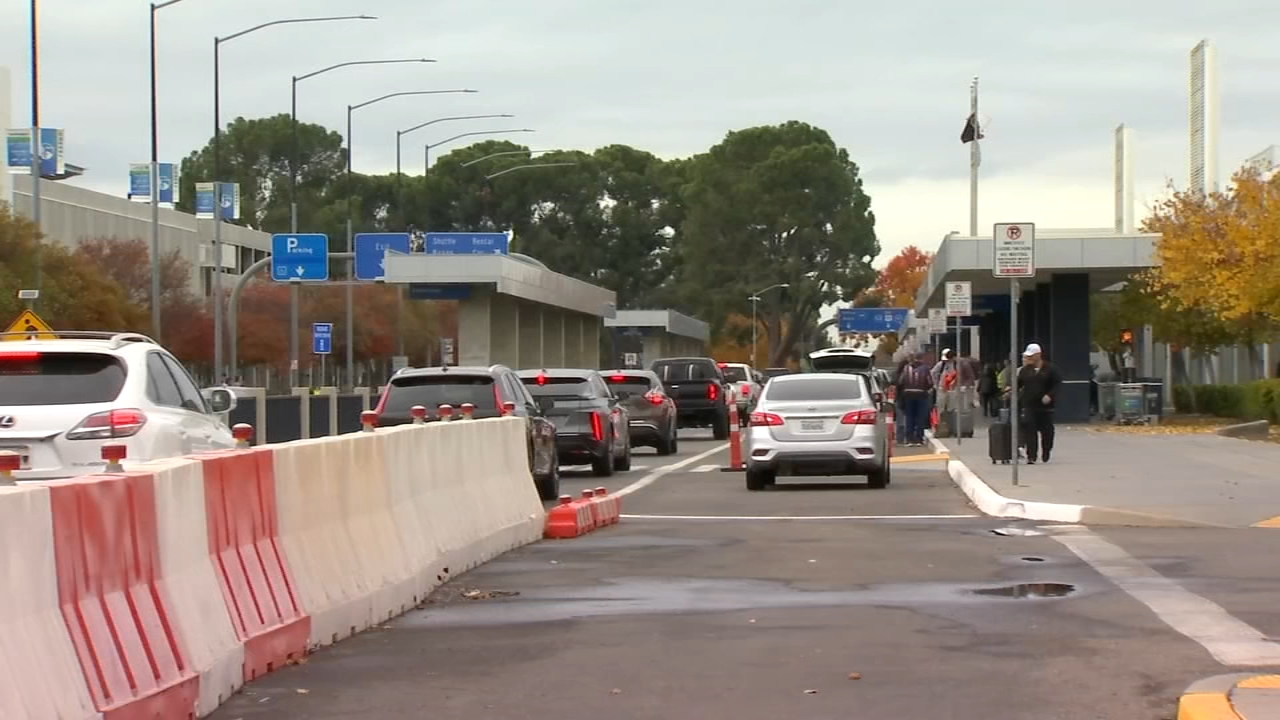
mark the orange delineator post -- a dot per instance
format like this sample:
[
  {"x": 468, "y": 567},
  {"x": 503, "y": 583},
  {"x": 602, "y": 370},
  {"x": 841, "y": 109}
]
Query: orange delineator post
[{"x": 735, "y": 442}]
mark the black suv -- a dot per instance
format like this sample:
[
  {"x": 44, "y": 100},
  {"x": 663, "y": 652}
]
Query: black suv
[
  {"x": 699, "y": 390},
  {"x": 487, "y": 389}
]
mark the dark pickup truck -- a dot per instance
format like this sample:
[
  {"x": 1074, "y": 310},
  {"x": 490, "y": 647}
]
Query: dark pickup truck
[{"x": 700, "y": 392}]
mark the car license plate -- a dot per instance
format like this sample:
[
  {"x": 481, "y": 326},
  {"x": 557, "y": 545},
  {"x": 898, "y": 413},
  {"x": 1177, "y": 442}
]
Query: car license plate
[
  {"x": 811, "y": 426},
  {"x": 24, "y": 455}
]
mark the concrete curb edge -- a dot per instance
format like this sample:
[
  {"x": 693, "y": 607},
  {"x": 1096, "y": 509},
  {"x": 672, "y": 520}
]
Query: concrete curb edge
[{"x": 1215, "y": 698}]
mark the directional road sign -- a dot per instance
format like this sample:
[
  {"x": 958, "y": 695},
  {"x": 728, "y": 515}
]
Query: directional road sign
[
  {"x": 302, "y": 257},
  {"x": 371, "y": 248},
  {"x": 464, "y": 243},
  {"x": 871, "y": 320},
  {"x": 322, "y": 338}
]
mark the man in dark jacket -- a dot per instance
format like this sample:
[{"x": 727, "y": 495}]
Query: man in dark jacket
[
  {"x": 914, "y": 383},
  {"x": 1038, "y": 382}
]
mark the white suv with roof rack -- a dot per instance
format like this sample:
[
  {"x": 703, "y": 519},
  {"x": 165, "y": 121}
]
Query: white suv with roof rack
[{"x": 61, "y": 400}]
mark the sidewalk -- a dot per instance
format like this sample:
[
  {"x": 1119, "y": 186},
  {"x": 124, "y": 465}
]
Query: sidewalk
[
  {"x": 1118, "y": 478},
  {"x": 1244, "y": 696}
]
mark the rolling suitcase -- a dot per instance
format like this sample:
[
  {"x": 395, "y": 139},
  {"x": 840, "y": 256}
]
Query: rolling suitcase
[{"x": 1000, "y": 442}]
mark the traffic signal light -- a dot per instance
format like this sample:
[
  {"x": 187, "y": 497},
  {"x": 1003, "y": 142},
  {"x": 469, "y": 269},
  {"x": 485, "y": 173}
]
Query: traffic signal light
[{"x": 1126, "y": 337}]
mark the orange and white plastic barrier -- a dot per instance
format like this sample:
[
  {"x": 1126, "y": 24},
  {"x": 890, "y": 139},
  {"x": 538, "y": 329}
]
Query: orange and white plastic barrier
[
  {"x": 736, "y": 463},
  {"x": 159, "y": 591},
  {"x": 574, "y": 518}
]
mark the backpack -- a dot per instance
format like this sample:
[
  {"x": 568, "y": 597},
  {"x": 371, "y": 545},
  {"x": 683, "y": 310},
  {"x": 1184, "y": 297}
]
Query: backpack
[{"x": 917, "y": 378}]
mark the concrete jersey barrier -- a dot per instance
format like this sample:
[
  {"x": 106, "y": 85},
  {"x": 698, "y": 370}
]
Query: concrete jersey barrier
[{"x": 160, "y": 591}]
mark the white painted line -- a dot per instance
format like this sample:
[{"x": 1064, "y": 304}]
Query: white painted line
[
  {"x": 705, "y": 468},
  {"x": 652, "y": 477},
  {"x": 993, "y": 503},
  {"x": 1228, "y": 640},
  {"x": 797, "y": 517}
]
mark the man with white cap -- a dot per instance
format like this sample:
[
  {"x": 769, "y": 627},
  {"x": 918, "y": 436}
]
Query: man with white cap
[{"x": 1038, "y": 382}]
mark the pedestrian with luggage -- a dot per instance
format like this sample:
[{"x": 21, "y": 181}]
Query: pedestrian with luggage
[
  {"x": 1038, "y": 383},
  {"x": 914, "y": 383}
]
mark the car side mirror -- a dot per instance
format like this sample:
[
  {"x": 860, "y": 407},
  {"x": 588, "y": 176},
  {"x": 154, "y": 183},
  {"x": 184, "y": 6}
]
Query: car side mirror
[{"x": 220, "y": 400}]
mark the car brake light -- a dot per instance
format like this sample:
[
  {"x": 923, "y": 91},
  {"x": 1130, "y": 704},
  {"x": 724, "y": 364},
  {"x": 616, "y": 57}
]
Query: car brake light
[
  {"x": 542, "y": 379},
  {"x": 109, "y": 424},
  {"x": 859, "y": 417},
  {"x": 20, "y": 356},
  {"x": 712, "y": 391},
  {"x": 597, "y": 430},
  {"x": 746, "y": 389},
  {"x": 655, "y": 398},
  {"x": 722, "y": 365},
  {"x": 766, "y": 418},
  {"x": 618, "y": 378}
]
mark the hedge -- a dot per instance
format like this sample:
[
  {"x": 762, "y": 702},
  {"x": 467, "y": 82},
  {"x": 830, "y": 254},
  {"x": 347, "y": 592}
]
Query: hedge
[{"x": 1258, "y": 400}]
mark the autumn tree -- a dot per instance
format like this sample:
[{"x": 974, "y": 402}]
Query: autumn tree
[{"x": 900, "y": 279}]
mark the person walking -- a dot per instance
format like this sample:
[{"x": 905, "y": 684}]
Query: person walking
[
  {"x": 1038, "y": 383},
  {"x": 989, "y": 390},
  {"x": 914, "y": 383}
]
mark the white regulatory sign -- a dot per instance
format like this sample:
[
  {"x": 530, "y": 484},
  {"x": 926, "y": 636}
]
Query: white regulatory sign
[
  {"x": 937, "y": 321},
  {"x": 1013, "y": 254},
  {"x": 959, "y": 298}
]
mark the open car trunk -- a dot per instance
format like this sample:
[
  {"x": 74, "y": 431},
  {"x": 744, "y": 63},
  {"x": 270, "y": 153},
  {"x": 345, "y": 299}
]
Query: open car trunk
[{"x": 845, "y": 360}]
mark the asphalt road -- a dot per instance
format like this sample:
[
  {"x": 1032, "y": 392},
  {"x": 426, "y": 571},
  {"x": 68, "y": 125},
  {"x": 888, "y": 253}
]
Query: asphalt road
[{"x": 711, "y": 602}]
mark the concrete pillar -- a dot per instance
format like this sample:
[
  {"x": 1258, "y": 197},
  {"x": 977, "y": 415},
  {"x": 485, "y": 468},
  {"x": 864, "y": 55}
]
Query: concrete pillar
[
  {"x": 591, "y": 340},
  {"x": 553, "y": 338},
  {"x": 488, "y": 325},
  {"x": 1043, "y": 333},
  {"x": 530, "y": 334},
  {"x": 1069, "y": 344},
  {"x": 651, "y": 349}
]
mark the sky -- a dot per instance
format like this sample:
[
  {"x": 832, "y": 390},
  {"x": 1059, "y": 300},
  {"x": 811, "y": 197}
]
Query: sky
[{"x": 889, "y": 82}]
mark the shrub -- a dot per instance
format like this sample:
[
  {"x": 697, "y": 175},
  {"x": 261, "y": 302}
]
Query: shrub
[{"x": 1258, "y": 400}]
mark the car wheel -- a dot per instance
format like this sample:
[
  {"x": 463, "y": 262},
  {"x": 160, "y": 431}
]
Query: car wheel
[
  {"x": 667, "y": 444},
  {"x": 720, "y": 427},
  {"x": 549, "y": 484},
  {"x": 623, "y": 464},
  {"x": 879, "y": 478},
  {"x": 602, "y": 466},
  {"x": 759, "y": 479}
]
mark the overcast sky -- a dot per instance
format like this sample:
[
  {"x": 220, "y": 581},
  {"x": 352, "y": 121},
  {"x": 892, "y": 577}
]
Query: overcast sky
[{"x": 889, "y": 81}]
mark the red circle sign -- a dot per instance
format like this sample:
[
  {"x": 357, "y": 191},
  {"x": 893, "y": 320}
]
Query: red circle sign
[{"x": 1014, "y": 232}]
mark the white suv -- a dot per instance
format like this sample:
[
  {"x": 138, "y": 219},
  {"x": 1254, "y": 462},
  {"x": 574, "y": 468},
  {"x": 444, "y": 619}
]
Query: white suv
[{"x": 61, "y": 400}]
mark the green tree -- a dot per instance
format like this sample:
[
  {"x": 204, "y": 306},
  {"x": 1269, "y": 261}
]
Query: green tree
[
  {"x": 774, "y": 204},
  {"x": 257, "y": 154}
]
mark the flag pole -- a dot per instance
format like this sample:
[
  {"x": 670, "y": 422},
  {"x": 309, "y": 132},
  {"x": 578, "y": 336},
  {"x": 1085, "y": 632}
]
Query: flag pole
[{"x": 975, "y": 158}]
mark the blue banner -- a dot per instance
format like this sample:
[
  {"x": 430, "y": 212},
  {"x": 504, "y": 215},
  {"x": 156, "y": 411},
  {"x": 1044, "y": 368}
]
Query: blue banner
[
  {"x": 871, "y": 320},
  {"x": 140, "y": 183},
  {"x": 205, "y": 202},
  {"x": 18, "y": 151}
]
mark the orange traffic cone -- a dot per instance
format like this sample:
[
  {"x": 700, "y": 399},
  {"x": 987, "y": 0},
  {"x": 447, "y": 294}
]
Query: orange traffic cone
[{"x": 735, "y": 442}]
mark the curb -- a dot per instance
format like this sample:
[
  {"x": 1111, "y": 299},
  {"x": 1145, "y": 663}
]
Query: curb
[
  {"x": 990, "y": 502},
  {"x": 1237, "y": 696}
]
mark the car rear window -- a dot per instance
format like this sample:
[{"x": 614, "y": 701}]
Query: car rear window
[
  {"x": 432, "y": 391},
  {"x": 734, "y": 374},
  {"x": 629, "y": 384},
  {"x": 559, "y": 387},
  {"x": 813, "y": 389},
  {"x": 59, "y": 378},
  {"x": 679, "y": 370}
]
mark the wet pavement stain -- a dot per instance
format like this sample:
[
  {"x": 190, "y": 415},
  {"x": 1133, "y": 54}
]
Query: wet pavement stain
[
  {"x": 647, "y": 595},
  {"x": 1028, "y": 590}
]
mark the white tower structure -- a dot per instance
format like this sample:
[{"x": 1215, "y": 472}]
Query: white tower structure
[
  {"x": 1124, "y": 179},
  {"x": 6, "y": 122},
  {"x": 1203, "y": 117}
]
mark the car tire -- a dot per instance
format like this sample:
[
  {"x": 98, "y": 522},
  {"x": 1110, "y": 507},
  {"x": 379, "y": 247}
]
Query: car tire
[
  {"x": 623, "y": 464},
  {"x": 759, "y": 479},
  {"x": 667, "y": 445},
  {"x": 720, "y": 427},
  {"x": 549, "y": 484},
  {"x": 602, "y": 466},
  {"x": 881, "y": 476}
]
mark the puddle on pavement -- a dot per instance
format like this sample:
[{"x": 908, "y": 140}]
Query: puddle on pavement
[
  {"x": 647, "y": 595},
  {"x": 1028, "y": 590}
]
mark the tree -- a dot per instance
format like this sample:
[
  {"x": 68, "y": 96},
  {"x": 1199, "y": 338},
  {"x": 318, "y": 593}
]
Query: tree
[
  {"x": 900, "y": 279},
  {"x": 773, "y": 204},
  {"x": 73, "y": 294}
]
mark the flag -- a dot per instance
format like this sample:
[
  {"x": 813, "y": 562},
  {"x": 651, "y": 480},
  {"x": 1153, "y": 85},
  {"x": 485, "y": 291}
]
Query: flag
[{"x": 971, "y": 130}]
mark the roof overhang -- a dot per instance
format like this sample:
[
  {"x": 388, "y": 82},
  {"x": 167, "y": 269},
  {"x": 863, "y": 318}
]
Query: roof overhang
[
  {"x": 508, "y": 275},
  {"x": 670, "y": 321},
  {"x": 1108, "y": 258}
]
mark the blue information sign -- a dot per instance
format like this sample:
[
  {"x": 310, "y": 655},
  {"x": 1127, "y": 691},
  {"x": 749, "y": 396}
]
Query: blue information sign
[
  {"x": 464, "y": 243},
  {"x": 302, "y": 257},
  {"x": 423, "y": 291},
  {"x": 871, "y": 320},
  {"x": 322, "y": 338},
  {"x": 371, "y": 248}
]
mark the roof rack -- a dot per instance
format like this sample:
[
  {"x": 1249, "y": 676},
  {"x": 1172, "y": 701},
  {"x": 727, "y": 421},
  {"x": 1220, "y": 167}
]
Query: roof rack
[{"x": 117, "y": 339}]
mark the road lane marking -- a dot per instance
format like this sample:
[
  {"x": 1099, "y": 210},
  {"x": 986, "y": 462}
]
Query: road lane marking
[
  {"x": 1228, "y": 640},
  {"x": 901, "y": 459},
  {"x": 705, "y": 468},
  {"x": 649, "y": 479},
  {"x": 1269, "y": 523},
  {"x": 798, "y": 517}
]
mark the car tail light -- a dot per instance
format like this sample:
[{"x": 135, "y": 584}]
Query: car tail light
[
  {"x": 859, "y": 417},
  {"x": 766, "y": 418},
  {"x": 497, "y": 397},
  {"x": 722, "y": 365},
  {"x": 746, "y": 389},
  {"x": 655, "y": 398},
  {"x": 713, "y": 391},
  {"x": 19, "y": 355},
  {"x": 109, "y": 424},
  {"x": 382, "y": 401},
  {"x": 618, "y": 378},
  {"x": 542, "y": 379},
  {"x": 597, "y": 428}
]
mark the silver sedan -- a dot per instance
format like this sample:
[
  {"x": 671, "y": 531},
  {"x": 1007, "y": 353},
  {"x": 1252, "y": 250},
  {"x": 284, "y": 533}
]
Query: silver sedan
[{"x": 818, "y": 424}]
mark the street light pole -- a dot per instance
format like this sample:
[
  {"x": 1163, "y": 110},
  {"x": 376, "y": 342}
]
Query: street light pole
[
  {"x": 217, "y": 167},
  {"x": 37, "y": 145},
  {"x": 504, "y": 153},
  {"x": 351, "y": 265},
  {"x": 294, "y": 161},
  {"x": 154, "y": 182},
  {"x": 500, "y": 173},
  {"x": 755, "y": 324},
  {"x": 401, "y": 133}
]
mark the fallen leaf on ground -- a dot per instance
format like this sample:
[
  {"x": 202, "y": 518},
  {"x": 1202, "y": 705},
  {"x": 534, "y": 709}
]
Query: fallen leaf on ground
[
  {"x": 303, "y": 691},
  {"x": 810, "y": 692},
  {"x": 615, "y": 691},
  {"x": 855, "y": 676},
  {"x": 488, "y": 594}
]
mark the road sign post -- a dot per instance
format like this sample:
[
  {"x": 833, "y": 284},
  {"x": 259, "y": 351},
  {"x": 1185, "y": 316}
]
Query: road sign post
[
  {"x": 1013, "y": 256},
  {"x": 959, "y": 306},
  {"x": 300, "y": 257}
]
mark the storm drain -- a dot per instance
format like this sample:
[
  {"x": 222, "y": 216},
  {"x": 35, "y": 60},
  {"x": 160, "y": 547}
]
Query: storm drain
[{"x": 1028, "y": 590}]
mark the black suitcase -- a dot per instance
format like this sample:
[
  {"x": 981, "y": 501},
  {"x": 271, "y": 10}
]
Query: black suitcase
[{"x": 1000, "y": 442}]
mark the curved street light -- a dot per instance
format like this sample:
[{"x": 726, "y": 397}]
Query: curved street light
[
  {"x": 530, "y": 153},
  {"x": 426, "y": 152},
  {"x": 500, "y": 173},
  {"x": 755, "y": 325},
  {"x": 218, "y": 42}
]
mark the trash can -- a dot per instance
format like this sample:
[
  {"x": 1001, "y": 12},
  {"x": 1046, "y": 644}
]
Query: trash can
[
  {"x": 1153, "y": 399},
  {"x": 1131, "y": 404},
  {"x": 1107, "y": 399}
]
